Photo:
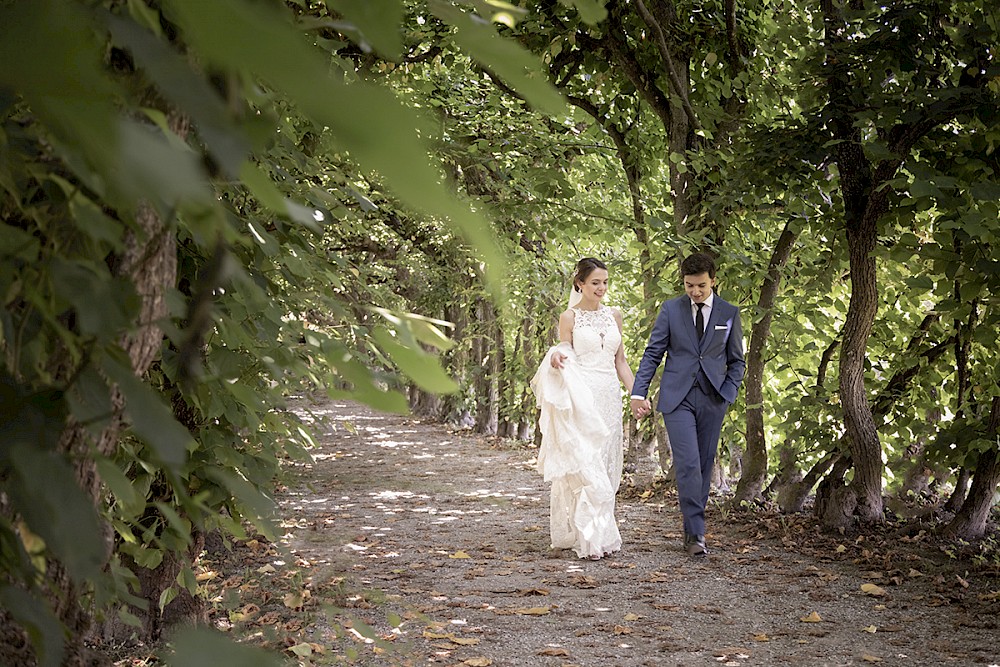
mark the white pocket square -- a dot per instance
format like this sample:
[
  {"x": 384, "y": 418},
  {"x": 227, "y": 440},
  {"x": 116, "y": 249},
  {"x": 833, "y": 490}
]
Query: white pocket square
[{"x": 721, "y": 327}]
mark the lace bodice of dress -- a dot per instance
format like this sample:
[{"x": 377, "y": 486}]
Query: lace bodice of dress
[{"x": 596, "y": 337}]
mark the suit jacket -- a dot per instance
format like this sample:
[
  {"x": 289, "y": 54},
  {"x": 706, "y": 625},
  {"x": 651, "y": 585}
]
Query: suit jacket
[{"x": 719, "y": 353}]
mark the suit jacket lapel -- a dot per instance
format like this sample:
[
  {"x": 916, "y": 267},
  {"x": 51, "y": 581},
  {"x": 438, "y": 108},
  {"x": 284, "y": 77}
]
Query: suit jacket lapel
[{"x": 715, "y": 317}]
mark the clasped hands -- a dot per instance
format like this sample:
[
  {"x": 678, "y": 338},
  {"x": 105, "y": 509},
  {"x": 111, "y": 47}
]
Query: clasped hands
[{"x": 641, "y": 407}]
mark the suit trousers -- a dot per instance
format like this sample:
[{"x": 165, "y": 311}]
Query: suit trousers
[{"x": 694, "y": 428}]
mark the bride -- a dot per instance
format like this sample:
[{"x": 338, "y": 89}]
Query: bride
[{"x": 577, "y": 390}]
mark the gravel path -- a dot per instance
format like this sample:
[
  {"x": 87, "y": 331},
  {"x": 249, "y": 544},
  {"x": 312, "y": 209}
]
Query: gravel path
[{"x": 438, "y": 541}]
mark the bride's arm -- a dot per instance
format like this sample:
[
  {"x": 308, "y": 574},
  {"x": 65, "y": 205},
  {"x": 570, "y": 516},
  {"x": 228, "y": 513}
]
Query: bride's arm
[
  {"x": 566, "y": 321},
  {"x": 621, "y": 364}
]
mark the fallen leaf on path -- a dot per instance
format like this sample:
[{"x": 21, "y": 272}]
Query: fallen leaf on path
[
  {"x": 622, "y": 630},
  {"x": 554, "y": 652},
  {"x": 533, "y": 611},
  {"x": 583, "y": 581},
  {"x": 478, "y": 662},
  {"x": 459, "y": 554},
  {"x": 962, "y": 582},
  {"x": 246, "y": 612},
  {"x": 296, "y": 600},
  {"x": 914, "y": 573},
  {"x": 872, "y": 589},
  {"x": 532, "y": 591},
  {"x": 870, "y": 658},
  {"x": 303, "y": 650},
  {"x": 812, "y": 618},
  {"x": 870, "y": 629},
  {"x": 632, "y": 617},
  {"x": 761, "y": 638},
  {"x": 465, "y": 641},
  {"x": 532, "y": 529}
]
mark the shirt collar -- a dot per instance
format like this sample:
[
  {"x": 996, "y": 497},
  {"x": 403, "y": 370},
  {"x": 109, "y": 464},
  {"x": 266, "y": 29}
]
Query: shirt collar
[{"x": 708, "y": 301}]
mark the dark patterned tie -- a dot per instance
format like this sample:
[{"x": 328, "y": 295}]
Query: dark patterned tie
[{"x": 699, "y": 321}]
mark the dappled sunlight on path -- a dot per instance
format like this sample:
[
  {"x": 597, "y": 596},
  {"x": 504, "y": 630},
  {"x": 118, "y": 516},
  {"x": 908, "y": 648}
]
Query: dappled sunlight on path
[{"x": 416, "y": 544}]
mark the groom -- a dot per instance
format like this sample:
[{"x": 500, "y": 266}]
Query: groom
[{"x": 703, "y": 342}]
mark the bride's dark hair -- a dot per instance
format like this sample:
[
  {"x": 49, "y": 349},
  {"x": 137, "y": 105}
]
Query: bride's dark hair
[{"x": 584, "y": 268}]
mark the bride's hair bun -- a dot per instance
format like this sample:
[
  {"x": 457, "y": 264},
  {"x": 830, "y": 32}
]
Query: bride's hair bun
[{"x": 584, "y": 268}]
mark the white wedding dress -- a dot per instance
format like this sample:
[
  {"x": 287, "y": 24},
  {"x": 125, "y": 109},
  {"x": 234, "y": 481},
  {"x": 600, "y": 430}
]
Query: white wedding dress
[{"x": 581, "y": 425}]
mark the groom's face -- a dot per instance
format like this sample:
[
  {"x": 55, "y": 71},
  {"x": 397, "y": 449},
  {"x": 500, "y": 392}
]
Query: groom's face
[{"x": 698, "y": 286}]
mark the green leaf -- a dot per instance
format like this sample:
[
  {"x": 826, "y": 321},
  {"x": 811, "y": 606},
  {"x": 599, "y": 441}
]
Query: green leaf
[
  {"x": 425, "y": 329},
  {"x": 591, "y": 11},
  {"x": 920, "y": 189},
  {"x": 104, "y": 305},
  {"x": 187, "y": 90},
  {"x": 378, "y": 21},
  {"x": 167, "y": 596},
  {"x": 986, "y": 191},
  {"x": 422, "y": 368},
  {"x": 44, "y": 629},
  {"x": 89, "y": 399},
  {"x": 519, "y": 68},
  {"x": 43, "y": 489},
  {"x": 151, "y": 419},
  {"x": 269, "y": 195},
  {"x": 18, "y": 244},
  {"x": 261, "y": 507},
  {"x": 130, "y": 501},
  {"x": 365, "y": 119}
]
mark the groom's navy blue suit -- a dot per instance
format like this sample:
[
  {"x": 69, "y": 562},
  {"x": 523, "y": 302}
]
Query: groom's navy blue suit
[{"x": 700, "y": 380}]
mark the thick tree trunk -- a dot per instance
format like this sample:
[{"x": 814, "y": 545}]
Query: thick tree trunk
[
  {"x": 970, "y": 522},
  {"x": 755, "y": 458},
  {"x": 860, "y": 425},
  {"x": 150, "y": 263},
  {"x": 184, "y": 608},
  {"x": 836, "y": 502}
]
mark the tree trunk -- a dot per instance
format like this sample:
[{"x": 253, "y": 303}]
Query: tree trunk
[
  {"x": 792, "y": 494},
  {"x": 755, "y": 457},
  {"x": 970, "y": 522},
  {"x": 957, "y": 498},
  {"x": 149, "y": 262},
  {"x": 487, "y": 388},
  {"x": 860, "y": 425},
  {"x": 456, "y": 363},
  {"x": 836, "y": 502},
  {"x": 864, "y": 204}
]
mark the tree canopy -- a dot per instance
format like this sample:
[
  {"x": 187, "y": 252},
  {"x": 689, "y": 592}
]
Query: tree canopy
[{"x": 209, "y": 207}]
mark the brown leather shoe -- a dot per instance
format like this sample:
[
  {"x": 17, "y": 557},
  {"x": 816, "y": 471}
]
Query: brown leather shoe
[{"x": 695, "y": 545}]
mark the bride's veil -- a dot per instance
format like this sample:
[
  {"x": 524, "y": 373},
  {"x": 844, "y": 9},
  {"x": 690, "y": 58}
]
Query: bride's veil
[{"x": 575, "y": 296}]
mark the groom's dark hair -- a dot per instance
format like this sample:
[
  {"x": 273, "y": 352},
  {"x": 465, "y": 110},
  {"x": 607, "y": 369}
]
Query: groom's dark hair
[{"x": 696, "y": 263}]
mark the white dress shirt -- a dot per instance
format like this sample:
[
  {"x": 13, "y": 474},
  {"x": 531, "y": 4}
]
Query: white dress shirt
[{"x": 706, "y": 310}]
